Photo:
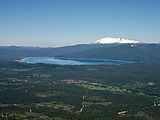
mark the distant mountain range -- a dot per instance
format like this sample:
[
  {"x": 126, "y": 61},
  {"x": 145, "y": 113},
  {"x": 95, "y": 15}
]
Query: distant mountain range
[{"x": 117, "y": 49}]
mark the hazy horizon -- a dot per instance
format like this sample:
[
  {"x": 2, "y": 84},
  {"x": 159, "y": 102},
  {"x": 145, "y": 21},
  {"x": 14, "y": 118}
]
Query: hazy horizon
[{"x": 55, "y": 23}]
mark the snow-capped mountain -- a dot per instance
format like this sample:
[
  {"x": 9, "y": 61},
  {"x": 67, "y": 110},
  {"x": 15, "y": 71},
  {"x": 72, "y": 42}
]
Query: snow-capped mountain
[{"x": 109, "y": 40}]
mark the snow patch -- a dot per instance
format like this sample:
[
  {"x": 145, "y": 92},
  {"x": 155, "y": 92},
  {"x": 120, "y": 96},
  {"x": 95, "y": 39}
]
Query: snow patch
[{"x": 109, "y": 40}]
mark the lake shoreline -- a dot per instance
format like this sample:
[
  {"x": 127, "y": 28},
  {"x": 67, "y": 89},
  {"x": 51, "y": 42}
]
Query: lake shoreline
[
  {"x": 71, "y": 61},
  {"x": 92, "y": 59}
]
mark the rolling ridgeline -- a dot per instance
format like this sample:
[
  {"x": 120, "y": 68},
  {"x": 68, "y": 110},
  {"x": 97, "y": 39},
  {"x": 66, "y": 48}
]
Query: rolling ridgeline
[{"x": 127, "y": 52}]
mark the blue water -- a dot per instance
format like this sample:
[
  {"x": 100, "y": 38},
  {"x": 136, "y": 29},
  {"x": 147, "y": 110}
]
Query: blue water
[{"x": 52, "y": 60}]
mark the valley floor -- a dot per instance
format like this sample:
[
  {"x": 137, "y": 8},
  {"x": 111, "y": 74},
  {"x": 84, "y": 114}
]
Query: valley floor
[{"x": 47, "y": 92}]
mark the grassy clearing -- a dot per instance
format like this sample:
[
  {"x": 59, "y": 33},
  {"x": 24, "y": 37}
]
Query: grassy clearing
[
  {"x": 92, "y": 87},
  {"x": 140, "y": 94}
]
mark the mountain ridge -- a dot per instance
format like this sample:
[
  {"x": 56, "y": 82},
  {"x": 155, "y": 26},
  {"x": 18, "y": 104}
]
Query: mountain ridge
[
  {"x": 139, "y": 52},
  {"x": 128, "y": 52}
]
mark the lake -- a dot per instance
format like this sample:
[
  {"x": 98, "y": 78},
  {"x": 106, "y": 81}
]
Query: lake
[{"x": 72, "y": 61}]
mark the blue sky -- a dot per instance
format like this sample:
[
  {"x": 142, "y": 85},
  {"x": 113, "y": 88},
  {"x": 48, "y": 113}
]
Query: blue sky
[{"x": 66, "y": 22}]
